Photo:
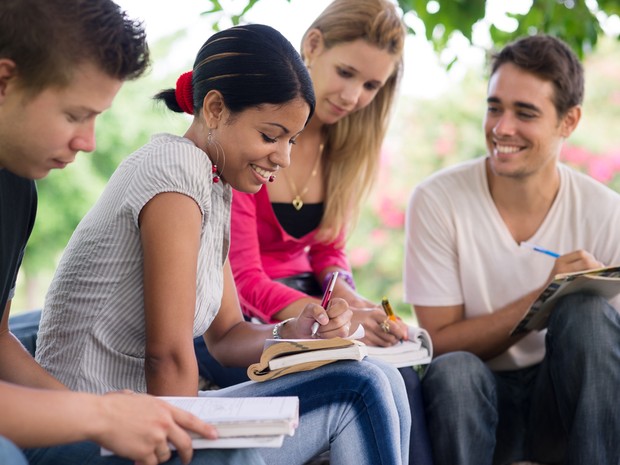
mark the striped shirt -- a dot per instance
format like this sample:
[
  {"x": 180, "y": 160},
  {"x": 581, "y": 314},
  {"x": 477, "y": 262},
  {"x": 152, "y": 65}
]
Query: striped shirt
[{"x": 92, "y": 334}]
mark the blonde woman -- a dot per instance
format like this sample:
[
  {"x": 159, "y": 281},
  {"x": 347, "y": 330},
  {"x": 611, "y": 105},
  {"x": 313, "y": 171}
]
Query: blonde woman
[{"x": 289, "y": 237}]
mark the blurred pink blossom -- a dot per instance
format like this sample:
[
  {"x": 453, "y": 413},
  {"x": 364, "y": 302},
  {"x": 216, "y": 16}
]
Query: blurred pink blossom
[
  {"x": 379, "y": 236},
  {"x": 359, "y": 257},
  {"x": 445, "y": 145},
  {"x": 575, "y": 155},
  {"x": 390, "y": 213},
  {"x": 603, "y": 168}
]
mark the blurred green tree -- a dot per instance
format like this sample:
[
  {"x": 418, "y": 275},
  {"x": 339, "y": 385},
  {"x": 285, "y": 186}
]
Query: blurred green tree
[{"x": 578, "y": 22}]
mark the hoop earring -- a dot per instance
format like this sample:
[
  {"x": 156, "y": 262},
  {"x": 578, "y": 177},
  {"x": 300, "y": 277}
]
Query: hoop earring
[{"x": 218, "y": 150}]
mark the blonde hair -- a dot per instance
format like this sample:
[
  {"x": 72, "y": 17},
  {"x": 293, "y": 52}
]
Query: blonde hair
[{"x": 352, "y": 145}]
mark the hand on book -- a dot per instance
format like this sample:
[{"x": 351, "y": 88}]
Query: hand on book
[
  {"x": 602, "y": 281},
  {"x": 140, "y": 427},
  {"x": 380, "y": 331},
  {"x": 333, "y": 322}
]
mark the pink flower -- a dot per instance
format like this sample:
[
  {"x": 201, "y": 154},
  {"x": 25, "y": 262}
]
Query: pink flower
[
  {"x": 390, "y": 213},
  {"x": 601, "y": 169},
  {"x": 359, "y": 257},
  {"x": 575, "y": 155}
]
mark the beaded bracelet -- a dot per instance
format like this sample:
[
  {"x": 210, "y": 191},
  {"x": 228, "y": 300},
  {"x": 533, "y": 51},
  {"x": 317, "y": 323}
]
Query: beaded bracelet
[{"x": 348, "y": 278}]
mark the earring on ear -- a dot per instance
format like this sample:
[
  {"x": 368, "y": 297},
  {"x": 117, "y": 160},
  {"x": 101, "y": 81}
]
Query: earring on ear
[{"x": 218, "y": 148}]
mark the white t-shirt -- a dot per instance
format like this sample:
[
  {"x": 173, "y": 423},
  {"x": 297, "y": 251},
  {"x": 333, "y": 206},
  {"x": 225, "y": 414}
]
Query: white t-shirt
[{"x": 460, "y": 252}]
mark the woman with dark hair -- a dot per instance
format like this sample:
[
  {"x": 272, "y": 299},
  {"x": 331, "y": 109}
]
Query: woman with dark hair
[{"x": 147, "y": 269}]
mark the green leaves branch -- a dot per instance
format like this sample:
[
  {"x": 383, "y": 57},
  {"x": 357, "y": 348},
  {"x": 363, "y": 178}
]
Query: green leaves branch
[{"x": 578, "y": 22}]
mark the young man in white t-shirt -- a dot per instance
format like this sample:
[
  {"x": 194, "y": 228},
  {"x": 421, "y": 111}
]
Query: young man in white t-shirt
[{"x": 548, "y": 396}]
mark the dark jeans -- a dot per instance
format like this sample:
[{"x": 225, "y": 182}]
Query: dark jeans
[
  {"x": 564, "y": 410},
  {"x": 25, "y": 327}
]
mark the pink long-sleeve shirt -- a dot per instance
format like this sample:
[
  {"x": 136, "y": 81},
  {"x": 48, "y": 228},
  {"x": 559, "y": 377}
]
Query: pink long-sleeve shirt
[{"x": 261, "y": 251}]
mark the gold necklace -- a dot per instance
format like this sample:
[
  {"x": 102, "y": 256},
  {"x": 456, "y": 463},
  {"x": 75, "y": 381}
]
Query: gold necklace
[{"x": 297, "y": 199}]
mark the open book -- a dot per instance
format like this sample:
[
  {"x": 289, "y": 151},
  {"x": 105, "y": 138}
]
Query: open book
[
  {"x": 601, "y": 281},
  {"x": 284, "y": 356},
  {"x": 418, "y": 350},
  {"x": 241, "y": 421}
]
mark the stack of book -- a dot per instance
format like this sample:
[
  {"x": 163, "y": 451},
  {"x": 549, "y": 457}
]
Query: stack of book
[
  {"x": 284, "y": 356},
  {"x": 241, "y": 421},
  {"x": 417, "y": 350}
]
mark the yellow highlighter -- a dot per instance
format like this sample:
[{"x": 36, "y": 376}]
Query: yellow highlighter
[{"x": 387, "y": 308}]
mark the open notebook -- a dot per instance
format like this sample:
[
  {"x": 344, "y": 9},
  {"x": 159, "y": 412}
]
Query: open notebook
[
  {"x": 241, "y": 421},
  {"x": 418, "y": 350},
  {"x": 601, "y": 281}
]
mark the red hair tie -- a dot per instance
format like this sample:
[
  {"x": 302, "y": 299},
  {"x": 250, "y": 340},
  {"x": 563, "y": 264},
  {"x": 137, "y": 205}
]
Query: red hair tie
[{"x": 184, "y": 93}]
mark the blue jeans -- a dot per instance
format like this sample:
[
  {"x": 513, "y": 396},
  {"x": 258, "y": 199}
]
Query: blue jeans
[
  {"x": 352, "y": 409},
  {"x": 419, "y": 446},
  {"x": 349, "y": 408},
  {"x": 10, "y": 453},
  {"x": 88, "y": 453},
  {"x": 563, "y": 410},
  {"x": 25, "y": 327}
]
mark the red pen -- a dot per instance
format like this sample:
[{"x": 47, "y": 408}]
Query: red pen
[{"x": 326, "y": 298}]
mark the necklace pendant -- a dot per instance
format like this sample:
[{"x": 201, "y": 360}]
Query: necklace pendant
[{"x": 298, "y": 203}]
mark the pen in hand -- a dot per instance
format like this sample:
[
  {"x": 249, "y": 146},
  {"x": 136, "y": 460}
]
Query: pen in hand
[
  {"x": 540, "y": 249},
  {"x": 326, "y": 298}
]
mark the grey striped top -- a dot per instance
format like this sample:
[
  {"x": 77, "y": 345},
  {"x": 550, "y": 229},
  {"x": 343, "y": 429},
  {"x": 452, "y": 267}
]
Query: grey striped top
[{"x": 92, "y": 334}]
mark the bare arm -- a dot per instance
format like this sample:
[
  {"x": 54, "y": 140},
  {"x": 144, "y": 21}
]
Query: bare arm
[
  {"x": 17, "y": 365},
  {"x": 489, "y": 336},
  {"x": 235, "y": 342},
  {"x": 486, "y": 336},
  {"x": 170, "y": 226},
  {"x": 131, "y": 425},
  {"x": 295, "y": 308}
]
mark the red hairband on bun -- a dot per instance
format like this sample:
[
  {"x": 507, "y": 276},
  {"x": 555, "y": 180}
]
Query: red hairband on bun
[{"x": 184, "y": 93}]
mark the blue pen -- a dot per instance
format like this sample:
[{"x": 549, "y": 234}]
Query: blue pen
[{"x": 540, "y": 249}]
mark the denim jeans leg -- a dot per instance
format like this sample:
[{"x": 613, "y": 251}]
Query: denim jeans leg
[
  {"x": 514, "y": 389},
  {"x": 460, "y": 396},
  {"x": 581, "y": 369},
  {"x": 88, "y": 453},
  {"x": 419, "y": 445},
  {"x": 353, "y": 409},
  {"x": 10, "y": 453},
  {"x": 210, "y": 369}
]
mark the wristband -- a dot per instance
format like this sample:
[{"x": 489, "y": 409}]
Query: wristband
[
  {"x": 275, "y": 334},
  {"x": 348, "y": 278}
]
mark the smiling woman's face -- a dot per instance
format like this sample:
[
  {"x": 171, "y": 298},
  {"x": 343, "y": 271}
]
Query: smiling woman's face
[{"x": 257, "y": 142}]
